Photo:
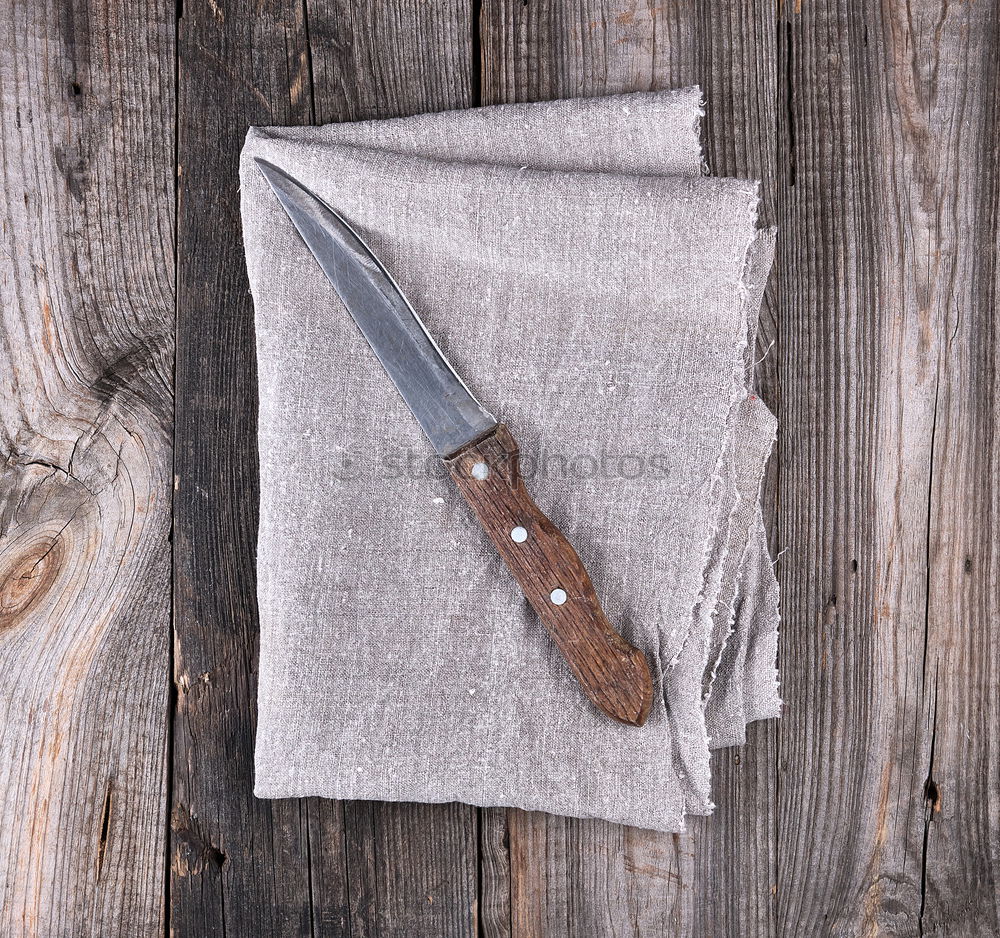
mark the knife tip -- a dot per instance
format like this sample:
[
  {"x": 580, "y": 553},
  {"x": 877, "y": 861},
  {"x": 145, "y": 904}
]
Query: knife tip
[{"x": 269, "y": 171}]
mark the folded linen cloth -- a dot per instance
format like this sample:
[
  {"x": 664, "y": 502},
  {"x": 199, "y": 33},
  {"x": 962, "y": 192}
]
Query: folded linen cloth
[{"x": 601, "y": 295}]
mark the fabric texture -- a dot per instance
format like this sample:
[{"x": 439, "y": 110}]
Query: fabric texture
[{"x": 600, "y": 295}]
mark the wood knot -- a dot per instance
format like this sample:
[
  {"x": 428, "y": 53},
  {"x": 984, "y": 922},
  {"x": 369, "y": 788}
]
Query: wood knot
[
  {"x": 28, "y": 568},
  {"x": 194, "y": 853}
]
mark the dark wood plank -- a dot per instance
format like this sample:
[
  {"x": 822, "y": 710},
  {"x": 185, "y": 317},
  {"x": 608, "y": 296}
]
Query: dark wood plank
[
  {"x": 390, "y": 58},
  {"x": 329, "y": 898},
  {"x": 834, "y": 794},
  {"x": 412, "y": 869},
  {"x": 426, "y": 870},
  {"x": 86, "y": 343},
  {"x": 278, "y": 867},
  {"x": 888, "y": 469},
  {"x": 733, "y": 851},
  {"x": 238, "y": 866}
]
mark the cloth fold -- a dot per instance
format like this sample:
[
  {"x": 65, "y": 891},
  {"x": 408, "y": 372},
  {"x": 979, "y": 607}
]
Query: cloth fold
[{"x": 600, "y": 295}]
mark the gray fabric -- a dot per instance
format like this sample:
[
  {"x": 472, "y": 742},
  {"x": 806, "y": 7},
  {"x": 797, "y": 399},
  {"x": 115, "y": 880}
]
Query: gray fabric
[
  {"x": 597, "y": 293},
  {"x": 740, "y": 598}
]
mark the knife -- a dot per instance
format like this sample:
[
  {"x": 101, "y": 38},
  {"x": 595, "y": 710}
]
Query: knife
[{"x": 480, "y": 455}]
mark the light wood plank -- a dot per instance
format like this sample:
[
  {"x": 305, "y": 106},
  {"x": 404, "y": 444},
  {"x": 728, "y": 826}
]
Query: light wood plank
[
  {"x": 573, "y": 877},
  {"x": 941, "y": 85},
  {"x": 887, "y": 372},
  {"x": 494, "y": 874},
  {"x": 591, "y": 879},
  {"x": 86, "y": 343}
]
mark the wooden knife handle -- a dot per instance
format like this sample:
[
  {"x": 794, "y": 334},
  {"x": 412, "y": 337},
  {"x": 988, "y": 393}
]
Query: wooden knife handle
[{"x": 613, "y": 674}]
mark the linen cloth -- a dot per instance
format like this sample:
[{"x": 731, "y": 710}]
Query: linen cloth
[{"x": 600, "y": 295}]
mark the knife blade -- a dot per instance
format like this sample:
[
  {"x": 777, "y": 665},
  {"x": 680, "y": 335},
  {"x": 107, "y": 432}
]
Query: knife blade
[{"x": 480, "y": 454}]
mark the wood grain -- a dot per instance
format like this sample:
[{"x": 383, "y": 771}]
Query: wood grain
[
  {"x": 548, "y": 49},
  {"x": 86, "y": 300},
  {"x": 374, "y": 59},
  {"x": 419, "y": 870},
  {"x": 415, "y": 870},
  {"x": 871, "y": 808},
  {"x": 591, "y": 879},
  {"x": 613, "y": 674},
  {"x": 888, "y": 784},
  {"x": 238, "y": 865},
  {"x": 734, "y": 850},
  {"x": 538, "y": 51}
]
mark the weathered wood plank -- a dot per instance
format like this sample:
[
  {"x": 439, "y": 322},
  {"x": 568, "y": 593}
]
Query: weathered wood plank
[
  {"x": 390, "y": 58},
  {"x": 734, "y": 849},
  {"x": 591, "y": 879},
  {"x": 413, "y": 869},
  {"x": 828, "y": 375},
  {"x": 86, "y": 300},
  {"x": 888, "y": 788},
  {"x": 942, "y": 87},
  {"x": 494, "y": 874},
  {"x": 421, "y": 860},
  {"x": 238, "y": 866},
  {"x": 278, "y": 867},
  {"x": 573, "y": 877},
  {"x": 329, "y": 899},
  {"x": 546, "y": 49}
]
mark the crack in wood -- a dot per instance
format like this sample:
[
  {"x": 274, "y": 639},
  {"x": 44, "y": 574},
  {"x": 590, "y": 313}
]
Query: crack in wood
[
  {"x": 932, "y": 798},
  {"x": 102, "y": 842}
]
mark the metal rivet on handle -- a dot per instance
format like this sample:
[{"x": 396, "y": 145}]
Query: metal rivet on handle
[
  {"x": 558, "y": 597},
  {"x": 480, "y": 471},
  {"x": 519, "y": 535}
]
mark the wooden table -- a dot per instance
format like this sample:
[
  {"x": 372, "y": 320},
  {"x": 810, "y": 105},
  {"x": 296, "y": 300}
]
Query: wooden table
[{"x": 127, "y": 610}]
